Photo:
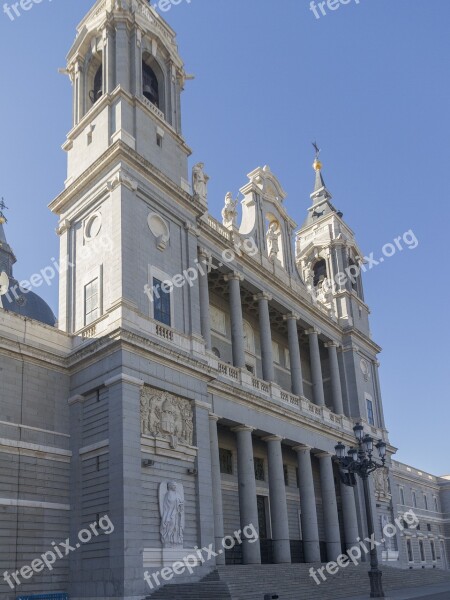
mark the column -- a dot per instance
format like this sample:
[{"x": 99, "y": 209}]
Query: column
[
  {"x": 109, "y": 68},
  {"x": 316, "y": 367},
  {"x": 278, "y": 502},
  {"x": 308, "y": 514},
  {"x": 351, "y": 531},
  {"x": 248, "y": 508},
  {"x": 205, "y": 324},
  {"x": 336, "y": 389},
  {"x": 216, "y": 481},
  {"x": 237, "y": 326},
  {"x": 265, "y": 336},
  {"x": 125, "y": 484},
  {"x": 294, "y": 354},
  {"x": 329, "y": 503},
  {"x": 122, "y": 56},
  {"x": 205, "y": 507}
]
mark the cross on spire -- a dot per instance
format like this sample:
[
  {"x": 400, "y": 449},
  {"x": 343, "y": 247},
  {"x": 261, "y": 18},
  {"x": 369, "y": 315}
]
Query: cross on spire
[
  {"x": 3, "y": 206},
  {"x": 317, "y": 149}
]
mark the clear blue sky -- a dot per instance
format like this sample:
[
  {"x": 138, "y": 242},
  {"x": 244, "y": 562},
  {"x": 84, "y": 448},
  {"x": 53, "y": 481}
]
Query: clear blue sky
[{"x": 369, "y": 81}]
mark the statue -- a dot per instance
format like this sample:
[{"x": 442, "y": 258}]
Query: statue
[
  {"x": 273, "y": 242},
  {"x": 381, "y": 481},
  {"x": 171, "y": 508},
  {"x": 229, "y": 212},
  {"x": 385, "y": 521},
  {"x": 200, "y": 183}
]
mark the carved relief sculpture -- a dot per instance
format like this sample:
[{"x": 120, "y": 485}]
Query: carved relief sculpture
[
  {"x": 167, "y": 416},
  {"x": 171, "y": 509},
  {"x": 381, "y": 480}
]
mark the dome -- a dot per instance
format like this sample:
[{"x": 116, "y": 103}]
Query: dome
[
  {"x": 28, "y": 305},
  {"x": 23, "y": 303}
]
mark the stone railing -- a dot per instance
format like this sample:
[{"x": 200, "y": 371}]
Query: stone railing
[
  {"x": 219, "y": 228},
  {"x": 153, "y": 108},
  {"x": 272, "y": 391}
]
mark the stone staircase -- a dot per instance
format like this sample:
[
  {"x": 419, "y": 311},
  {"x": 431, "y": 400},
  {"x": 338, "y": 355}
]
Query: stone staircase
[
  {"x": 210, "y": 587},
  {"x": 292, "y": 582}
]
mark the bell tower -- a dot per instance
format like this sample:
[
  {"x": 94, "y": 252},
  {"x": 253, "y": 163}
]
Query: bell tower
[
  {"x": 127, "y": 79},
  {"x": 328, "y": 259},
  {"x": 127, "y": 200}
]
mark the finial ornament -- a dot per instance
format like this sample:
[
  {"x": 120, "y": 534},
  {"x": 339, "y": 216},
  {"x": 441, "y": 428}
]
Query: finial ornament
[
  {"x": 317, "y": 165},
  {"x": 3, "y": 219}
]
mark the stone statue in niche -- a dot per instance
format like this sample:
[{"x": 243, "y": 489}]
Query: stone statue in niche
[
  {"x": 388, "y": 542},
  {"x": 229, "y": 212},
  {"x": 381, "y": 481},
  {"x": 200, "y": 183},
  {"x": 167, "y": 416},
  {"x": 171, "y": 510},
  {"x": 273, "y": 240}
]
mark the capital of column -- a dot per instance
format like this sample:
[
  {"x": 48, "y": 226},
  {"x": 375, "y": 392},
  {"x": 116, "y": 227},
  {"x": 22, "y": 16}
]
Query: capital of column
[
  {"x": 213, "y": 417},
  {"x": 234, "y": 275},
  {"x": 332, "y": 344},
  {"x": 291, "y": 316},
  {"x": 242, "y": 428},
  {"x": 323, "y": 454},
  {"x": 204, "y": 253},
  {"x": 313, "y": 330},
  {"x": 273, "y": 438},
  {"x": 302, "y": 448},
  {"x": 262, "y": 296}
]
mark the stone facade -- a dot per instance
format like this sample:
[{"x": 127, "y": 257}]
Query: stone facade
[{"x": 189, "y": 412}]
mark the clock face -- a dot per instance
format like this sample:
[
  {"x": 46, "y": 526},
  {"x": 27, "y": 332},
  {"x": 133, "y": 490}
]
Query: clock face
[{"x": 93, "y": 226}]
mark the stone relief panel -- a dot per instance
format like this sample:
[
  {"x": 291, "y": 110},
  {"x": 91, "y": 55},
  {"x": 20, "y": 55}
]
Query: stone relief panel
[
  {"x": 171, "y": 510},
  {"x": 381, "y": 481},
  {"x": 166, "y": 416}
]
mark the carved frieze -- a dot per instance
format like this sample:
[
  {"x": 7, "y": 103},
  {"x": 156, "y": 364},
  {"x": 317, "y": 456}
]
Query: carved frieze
[{"x": 166, "y": 416}]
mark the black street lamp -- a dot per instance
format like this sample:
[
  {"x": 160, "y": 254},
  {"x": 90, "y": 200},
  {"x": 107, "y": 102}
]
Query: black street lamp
[{"x": 359, "y": 461}]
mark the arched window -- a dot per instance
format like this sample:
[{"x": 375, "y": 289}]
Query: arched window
[
  {"x": 354, "y": 277},
  {"x": 320, "y": 271},
  {"x": 97, "y": 91},
  {"x": 150, "y": 85}
]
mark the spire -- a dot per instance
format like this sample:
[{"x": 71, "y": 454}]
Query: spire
[
  {"x": 7, "y": 258},
  {"x": 321, "y": 197},
  {"x": 320, "y": 189}
]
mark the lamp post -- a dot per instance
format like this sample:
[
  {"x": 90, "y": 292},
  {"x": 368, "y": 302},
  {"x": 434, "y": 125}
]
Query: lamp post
[{"x": 359, "y": 461}]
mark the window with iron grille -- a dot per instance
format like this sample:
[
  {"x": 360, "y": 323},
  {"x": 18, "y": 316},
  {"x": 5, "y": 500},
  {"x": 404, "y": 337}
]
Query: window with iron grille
[
  {"x": 410, "y": 551},
  {"x": 286, "y": 475},
  {"x": 226, "y": 461},
  {"x": 259, "y": 469},
  {"x": 370, "y": 416}
]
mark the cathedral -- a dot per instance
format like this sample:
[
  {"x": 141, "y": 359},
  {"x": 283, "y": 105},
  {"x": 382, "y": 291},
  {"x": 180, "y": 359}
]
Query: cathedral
[{"x": 199, "y": 373}]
